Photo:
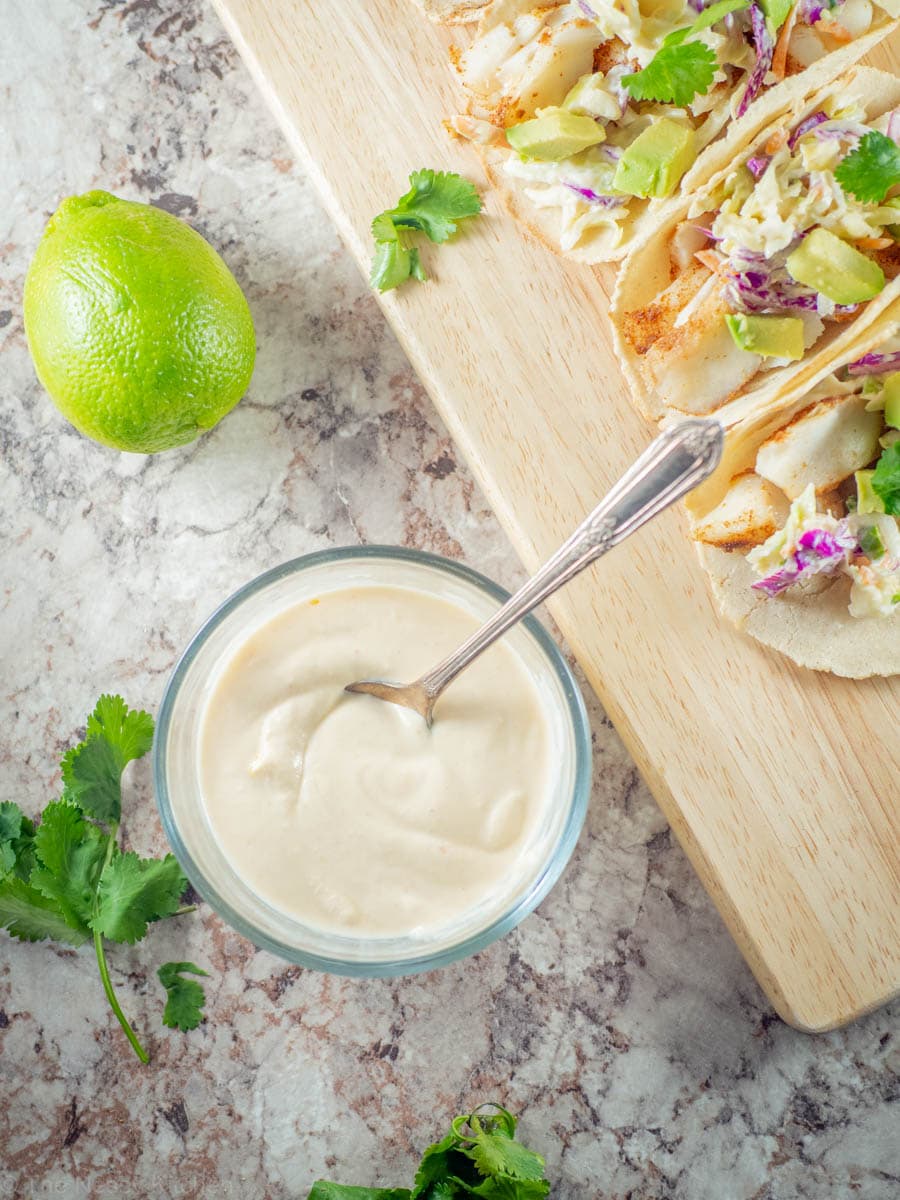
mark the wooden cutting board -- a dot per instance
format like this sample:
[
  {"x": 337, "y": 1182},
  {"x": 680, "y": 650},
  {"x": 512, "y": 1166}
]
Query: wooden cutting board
[{"x": 782, "y": 785}]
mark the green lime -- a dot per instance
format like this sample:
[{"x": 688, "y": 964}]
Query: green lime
[{"x": 138, "y": 330}]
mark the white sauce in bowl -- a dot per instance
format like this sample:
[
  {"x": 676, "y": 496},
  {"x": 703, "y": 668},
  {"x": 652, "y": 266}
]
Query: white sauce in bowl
[{"x": 349, "y": 814}]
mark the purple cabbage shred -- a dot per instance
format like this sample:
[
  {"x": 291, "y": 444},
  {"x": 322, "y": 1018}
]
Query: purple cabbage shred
[
  {"x": 810, "y": 12},
  {"x": 805, "y": 126},
  {"x": 758, "y": 164},
  {"x": 818, "y": 552},
  {"x": 875, "y": 364},
  {"x": 595, "y": 197},
  {"x": 764, "y": 45}
]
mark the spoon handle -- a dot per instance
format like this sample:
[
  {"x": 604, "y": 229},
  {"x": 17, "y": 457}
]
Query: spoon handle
[{"x": 679, "y": 459}]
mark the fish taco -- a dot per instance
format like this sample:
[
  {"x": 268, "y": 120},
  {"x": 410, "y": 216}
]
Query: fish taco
[
  {"x": 587, "y": 113},
  {"x": 799, "y": 528},
  {"x": 763, "y": 268}
]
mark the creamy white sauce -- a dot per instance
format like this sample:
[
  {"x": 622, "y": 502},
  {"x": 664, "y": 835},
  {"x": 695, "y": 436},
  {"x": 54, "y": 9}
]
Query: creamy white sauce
[{"x": 348, "y": 813}]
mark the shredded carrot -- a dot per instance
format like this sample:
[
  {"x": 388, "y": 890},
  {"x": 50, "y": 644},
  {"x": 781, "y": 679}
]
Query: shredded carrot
[
  {"x": 842, "y": 316},
  {"x": 775, "y": 142},
  {"x": 779, "y": 58},
  {"x": 875, "y": 243},
  {"x": 710, "y": 260}
]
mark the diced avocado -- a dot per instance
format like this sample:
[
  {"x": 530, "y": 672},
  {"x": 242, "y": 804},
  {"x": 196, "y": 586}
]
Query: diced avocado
[
  {"x": 871, "y": 542},
  {"x": 656, "y": 160},
  {"x": 555, "y": 135},
  {"x": 777, "y": 11},
  {"x": 591, "y": 97},
  {"x": 835, "y": 268},
  {"x": 770, "y": 337},
  {"x": 892, "y": 400},
  {"x": 867, "y": 499}
]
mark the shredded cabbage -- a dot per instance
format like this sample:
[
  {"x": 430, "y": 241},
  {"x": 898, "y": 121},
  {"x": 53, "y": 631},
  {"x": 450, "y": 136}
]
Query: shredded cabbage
[
  {"x": 805, "y": 126},
  {"x": 875, "y": 364},
  {"x": 757, "y": 164},
  {"x": 811, "y": 543},
  {"x": 815, "y": 543},
  {"x": 764, "y": 44}
]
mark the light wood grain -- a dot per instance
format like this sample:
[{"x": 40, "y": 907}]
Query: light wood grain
[{"x": 782, "y": 785}]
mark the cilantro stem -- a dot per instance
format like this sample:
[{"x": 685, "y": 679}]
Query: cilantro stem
[
  {"x": 185, "y": 908},
  {"x": 101, "y": 955},
  {"x": 113, "y": 1000}
]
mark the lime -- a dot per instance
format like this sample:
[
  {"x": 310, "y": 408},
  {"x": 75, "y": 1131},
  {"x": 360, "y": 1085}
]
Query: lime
[{"x": 137, "y": 328}]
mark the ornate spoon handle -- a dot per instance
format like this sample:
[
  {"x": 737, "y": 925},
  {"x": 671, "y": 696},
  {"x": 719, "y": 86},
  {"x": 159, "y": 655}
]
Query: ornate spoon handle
[{"x": 679, "y": 459}]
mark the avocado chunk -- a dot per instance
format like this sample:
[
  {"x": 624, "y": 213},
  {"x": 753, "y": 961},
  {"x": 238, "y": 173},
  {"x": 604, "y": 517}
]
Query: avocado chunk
[
  {"x": 777, "y": 11},
  {"x": 555, "y": 135},
  {"x": 835, "y": 268},
  {"x": 591, "y": 97},
  {"x": 892, "y": 400},
  {"x": 871, "y": 542},
  {"x": 770, "y": 337},
  {"x": 656, "y": 160},
  {"x": 867, "y": 499}
]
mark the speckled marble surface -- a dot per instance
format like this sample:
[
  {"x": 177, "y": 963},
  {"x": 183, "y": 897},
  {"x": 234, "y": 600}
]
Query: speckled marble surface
[{"x": 619, "y": 1019}]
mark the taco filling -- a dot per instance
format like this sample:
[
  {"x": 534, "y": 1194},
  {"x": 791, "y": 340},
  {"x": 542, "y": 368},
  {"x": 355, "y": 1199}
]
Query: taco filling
[
  {"x": 606, "y": 103},
  {"x": 822, "y": 500},
  {"x": 808, "y": 226},
  {"x": 791, "y": 242}
]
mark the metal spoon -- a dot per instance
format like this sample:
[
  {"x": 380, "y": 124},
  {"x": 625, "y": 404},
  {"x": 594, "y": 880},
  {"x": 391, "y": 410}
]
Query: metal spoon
[{"x": 679, "y": 459}]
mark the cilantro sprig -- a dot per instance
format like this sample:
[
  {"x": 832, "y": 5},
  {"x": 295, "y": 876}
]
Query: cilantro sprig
[
  {"x": 66, "y": 878},
  {"x": 682, "y": 69},
  {"x": 871, "y": 169},
  {"x": 886, "y": 479},
  {"x": 435, "y": 203},
  {"x": 478, "y": 1157}
]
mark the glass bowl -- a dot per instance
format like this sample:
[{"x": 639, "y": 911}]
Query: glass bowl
[{"x": 177, "y": 784}]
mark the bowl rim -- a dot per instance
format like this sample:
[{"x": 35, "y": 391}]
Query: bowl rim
[{"x": 551, "y": 868}]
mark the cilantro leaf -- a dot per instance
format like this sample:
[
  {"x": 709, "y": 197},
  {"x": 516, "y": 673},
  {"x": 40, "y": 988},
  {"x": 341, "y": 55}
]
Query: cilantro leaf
[
  {"x": 185, "y": 997},
  {"x": 886, "y": 479},
  {"x": 92, "y": 770},
  {"x": 16, "y": 842},
  {"x": 435, "y": 202},
  {"x": 491, "y": 1144},
  {"x": 448, "y": 1189},
  {"x": 134, "y": 891},
  {"x": 11, "y": 819},
  {"x": 384, "y": 229},
  {"x": 7, "y": 859},
  {"x": 323, "y": 1190},
  {"x": 393, "y": 264},
  {"x": 71, "y": 852},
  {"x": 504, "y": 1187},
  {"x": 499, "y": 1154},
  {"x": 675, "y": 74},
  {"x": 128, "y": 731},
  {"x": 871, "y": 169},
  {"x": 31, "y": 917},
  {"x": 439, "y": 1161}
]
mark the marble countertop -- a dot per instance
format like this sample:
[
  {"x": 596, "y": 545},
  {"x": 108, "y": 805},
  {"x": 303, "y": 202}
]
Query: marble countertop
[{"x": 619, "y": 1019}]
